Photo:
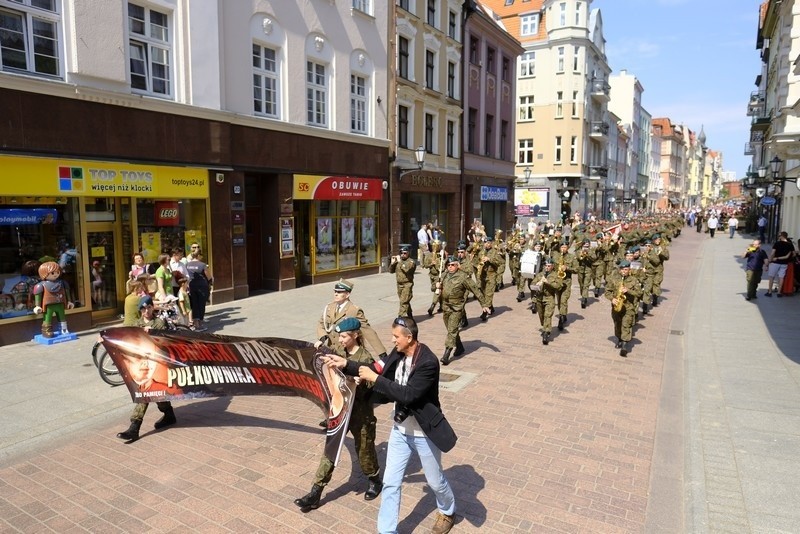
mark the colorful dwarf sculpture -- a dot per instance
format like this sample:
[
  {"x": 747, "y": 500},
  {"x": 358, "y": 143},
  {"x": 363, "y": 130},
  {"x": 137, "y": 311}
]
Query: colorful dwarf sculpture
[{"x": 51, "y": 298}]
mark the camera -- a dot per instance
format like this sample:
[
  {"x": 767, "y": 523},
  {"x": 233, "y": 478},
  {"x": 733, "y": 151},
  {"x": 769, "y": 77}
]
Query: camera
[{"x": 400, "y": 413}]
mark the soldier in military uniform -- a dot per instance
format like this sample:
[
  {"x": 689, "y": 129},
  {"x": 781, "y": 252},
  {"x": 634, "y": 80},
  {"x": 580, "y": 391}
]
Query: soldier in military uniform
[
  {"x": 660, "y": 254},
  {"x": 487, "y": 262},
  {"x": 545, "y": 288},
  {"x": 454, "y": 287},
  {"x": 623, "y": 290},
  {"x": 585, "y": 263},
  {"x": 646, "y": 256},
  {"x": 500, "y": 247},
  {"x": 516, "y": 246},
  {"x": 566, "y": 264},
  {"x": 435, "y": 261},
  {"x": 340, "y": 309},
  {"x": 404, "y": 267},
  {"x": 599, "y": 264},
  {"x": 361, "y": 425}
]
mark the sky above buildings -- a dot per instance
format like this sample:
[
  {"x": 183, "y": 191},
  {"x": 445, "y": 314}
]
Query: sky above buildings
[{"x": 697, "y": 61}]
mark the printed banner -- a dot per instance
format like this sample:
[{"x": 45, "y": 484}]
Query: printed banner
[
  {"x": 162, "y": 366},
  {"x": 532, "y": 202},
  {"x": 14, "y": 216},
  {"x": 310, "y": 187}
]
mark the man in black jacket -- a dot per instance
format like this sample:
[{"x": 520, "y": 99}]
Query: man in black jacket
[{"x": 409, "y": 377}]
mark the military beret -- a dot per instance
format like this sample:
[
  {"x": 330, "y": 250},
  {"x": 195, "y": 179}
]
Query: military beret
[
  {"x": 630, "y": 251},
  {"x": 623, "y": 264},
  {"x": 549, "y": 261},
  {"x": 343, "y": 285},
  {"x": 489, "y": 239},
  {"x": 648, "y": 242},
  {"x": 656, "y": 236},
  {"x": 453, "y": 259},
  {"x": 146, "y": 300},
  {"x": 599, "y": 235},
  {"x": 350, "y": 324},
  {"x": 636, "y": 248},
  {"x": 586, "y": 241}
]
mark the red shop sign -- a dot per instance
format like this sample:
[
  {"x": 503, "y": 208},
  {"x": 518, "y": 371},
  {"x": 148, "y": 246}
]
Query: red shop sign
[
  {"x": 348, "y": 188},
  {"x": 167, "y": 213}
]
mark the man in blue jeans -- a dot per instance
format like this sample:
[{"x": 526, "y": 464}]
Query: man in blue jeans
[{"x": 409, "y": 377}]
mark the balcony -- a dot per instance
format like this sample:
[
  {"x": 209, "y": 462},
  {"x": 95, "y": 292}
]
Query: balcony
[
  {"x": 598, "y": 129},
  {"x": 600, "y": 90},
  {"x": 598, "y": 171},
  {"x": 751, "y": 149},
  {"x": 760, "y": 124},
  {"x": 756, "y": 105}
]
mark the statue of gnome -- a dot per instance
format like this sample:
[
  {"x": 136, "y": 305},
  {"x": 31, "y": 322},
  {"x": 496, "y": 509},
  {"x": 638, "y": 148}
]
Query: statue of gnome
[{"x": 51, "y": 298}]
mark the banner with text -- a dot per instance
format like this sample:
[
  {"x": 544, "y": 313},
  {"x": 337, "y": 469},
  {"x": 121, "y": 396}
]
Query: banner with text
[
  {"x": 310, "y": 187},
  {"x": 162, "y": 366}
]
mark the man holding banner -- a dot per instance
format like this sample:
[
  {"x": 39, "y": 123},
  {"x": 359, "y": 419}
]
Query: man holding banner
[{"x": 362, "y": 423}]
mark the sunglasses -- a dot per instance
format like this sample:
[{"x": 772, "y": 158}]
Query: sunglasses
[{"x": 399, "y": 322}]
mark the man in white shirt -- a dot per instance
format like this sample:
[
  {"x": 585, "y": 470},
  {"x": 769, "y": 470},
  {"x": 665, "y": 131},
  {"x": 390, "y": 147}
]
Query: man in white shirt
[
  {"x": 733, "y": 225},
  {"x": 423, "y": 238}
]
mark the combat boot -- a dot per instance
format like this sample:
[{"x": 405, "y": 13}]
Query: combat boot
[
  {"x": 430, "y": 310},
  {"x": 561, "y": 320},
  {"x": 618, "y": 345},
  {"x": 167, "y": 419},
  {"x": 596, "y": 292},
  {"x": 464, "y": 321},
  {"x": 520, "y": 296},
  {"x": 484, "y": 316},
  {"x": 644, "y": 308},
  {"x": 584, "y": 300},
  {"x": 459, "y": 347},
  {"x": 446, "y": 358},
  {"x": 310, "y": 501},
  {"x": 47, "y": 330},
  {"x": 545, "y": 338},
  {"x": 623, "y": 351},
  {"x": 374, "y": 488},
  {"x": 654, "y": 300},
  {"x": 132, "y": 434}
]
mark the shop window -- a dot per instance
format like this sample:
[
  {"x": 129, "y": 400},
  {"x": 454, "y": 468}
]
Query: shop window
[
  {"x": 164, "y": 225},
  {"x": 345, "y": 235},
  {"x": 34, "y": 230}
]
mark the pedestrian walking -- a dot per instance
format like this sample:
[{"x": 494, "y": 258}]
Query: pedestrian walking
[
  {"x": 733, "y": 225},
  {"x": 340, "y": 309},
  {"x": 404, "y": 268},
  {"x": 782, "y": 253},
  {"x": 624, "y": 292},
  {"x": 756, "y": 258},
  {"x": 712, "y": 224},
  {"x": 454, "y": 288}
]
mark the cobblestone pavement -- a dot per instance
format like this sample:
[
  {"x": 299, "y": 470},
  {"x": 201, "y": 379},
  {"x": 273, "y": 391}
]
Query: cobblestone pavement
[{"x": 564, "y": 438}]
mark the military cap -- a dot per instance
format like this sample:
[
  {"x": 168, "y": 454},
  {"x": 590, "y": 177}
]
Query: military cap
[
  {"x": 343, "y": 285},
  {"x": 623, "y": 264},
  {"x": 350, "y": 324},
  {"x": 405, "y": 248},
  {"x": 453, "y": 259},
  {"x": 630, "y": 251},
  {"x": 585, "y": 241},
  {"x": 549, "y": 261},
  {"x": 146, "y": 300},
  {"x": 647, "y": 242},
  {"x": 461, "y": 246}
]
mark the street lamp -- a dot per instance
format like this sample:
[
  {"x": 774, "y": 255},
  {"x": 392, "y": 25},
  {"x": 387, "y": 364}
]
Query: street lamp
[
  {"x": 419, "y": 156},
  {"x": 565, "y": 185},
  {"x": 527, "y": 174}
]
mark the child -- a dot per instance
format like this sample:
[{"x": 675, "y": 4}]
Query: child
[{"x": 183, "y": 300}]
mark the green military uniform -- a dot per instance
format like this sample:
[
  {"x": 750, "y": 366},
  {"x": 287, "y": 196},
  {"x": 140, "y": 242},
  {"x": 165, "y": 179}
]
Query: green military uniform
[
  {"x": 623, "y": 286},
  {"x": 648, "y": 274},
  {"x": 361, "y": 426},
  {"x": 500, "y": 247},
  {"x": 515, "y": 248},
  {"x": 569, "y": 264},
  {"x": 435, "y": 263},
  {"x": 599, "y": 264},
  {"x": 487, "y": 263},
  {"x": 545, "y": 299},
  {"x": 660, "y": 254},
  {"x": 334, "y": 313},
  {"x": 584, "y": 259},
  {"x": 139, "y": 409},
  {"x": 455, "y": 286},
  {"x": 404, "y": 268}
]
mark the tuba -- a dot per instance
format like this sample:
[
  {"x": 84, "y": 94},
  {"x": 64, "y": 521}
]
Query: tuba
[{"x": 620, "y": 296}]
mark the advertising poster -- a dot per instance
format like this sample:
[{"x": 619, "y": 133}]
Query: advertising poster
[
  {"x": 151, "y": 246},
  {"x": 193, "y": 236},
  {"x": 287, "y": 237},
  {"x": 367, "y": 231},
  {"x": 532, "y": 202},
  {"x": 170, "y": 366},
  {"x": 324, "y": 235}
]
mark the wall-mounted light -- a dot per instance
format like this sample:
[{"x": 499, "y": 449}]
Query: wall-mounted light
[
  {"x": 419, "y": 156},
  {"x": 527, "y": 173}
]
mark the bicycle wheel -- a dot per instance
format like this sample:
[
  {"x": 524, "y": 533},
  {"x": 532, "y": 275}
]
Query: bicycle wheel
[
  {"x": 108, "y": 371},
  {"x": 98, "y": 351}
]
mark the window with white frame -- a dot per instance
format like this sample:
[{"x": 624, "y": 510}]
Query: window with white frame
[
  {"x": 364, "y": 6},
  {"x": 527, "y": 64},
  {"x": 562, "y": 14},
  {"x": 451, "y": 138},
  {"x": 150, "y": 50},
  {"x": 573, "y": 149},
  {"x": 403, "y": 4},
  {"x": 576, "y": 54},
  {"x": 578, "y": 6},
  {"x": 529, "y": 24},
  {"x": 526, "y": 108},
  {"x": 574, "y": 104},
  {"x": 557, "y": 155},
  {"x": 525, "y": 151},
  {"x": 451, "y": 79},
  {"x": 316, "y": 94},
  {"x": 430, "y": 127},
  {"x": 29, "y": 37},
  {"x": 266, "y": 81},
  {"x": 402, "y": 126},
  {"x": 358, "y": 104},
  {"x": 432, "y": 13},
  {"x": 430, "y": 69},
  {"x": 403, "y": 50},
  {"x": 452, "y": 25},
  {"x": 559, "y": 104},
  {"x": 561, "y": 51}
]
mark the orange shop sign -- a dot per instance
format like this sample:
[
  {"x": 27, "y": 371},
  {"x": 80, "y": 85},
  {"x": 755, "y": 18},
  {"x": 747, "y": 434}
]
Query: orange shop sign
[{"x": 312, "y": 187}]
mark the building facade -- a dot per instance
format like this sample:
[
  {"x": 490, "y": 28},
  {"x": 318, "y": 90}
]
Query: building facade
[{"x": 198, "y": 132}]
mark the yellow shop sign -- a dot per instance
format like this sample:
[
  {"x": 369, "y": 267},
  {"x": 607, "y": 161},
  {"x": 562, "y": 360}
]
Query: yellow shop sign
[{"x": 21, "y": 175}]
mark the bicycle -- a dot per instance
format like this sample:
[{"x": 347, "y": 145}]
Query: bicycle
[{"x": 167, "y": 311}]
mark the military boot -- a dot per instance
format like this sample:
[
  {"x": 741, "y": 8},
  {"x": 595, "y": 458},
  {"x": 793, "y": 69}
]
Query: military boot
[
  {"x": 584, "y": 300},
  {"x": 623, "y": 351},
  {"x": 459, "y": 347},
  {"x": 311, "y": 500},
  {"x": 446, "y": 358},
  {"x": 167, "y": 419},
  {"x": 596, "y": 292},
  {"x": 430, "y": 310},
  {"x": 484, "y": 316},
  {"x": 654, "y": 300},
  {"x": 644, "y": 308},
  {"x": 374, "y": 488},
  {"x": 47, "y": 330},
  {"x": 562, "y": 319},
  {"x": 132, "y": 434},
  {"x": 464, "y": 321},
  {"x": 545, "y": 338},
  {"x": 618, "y": 345},
  {"x": 520, "y": 296}
]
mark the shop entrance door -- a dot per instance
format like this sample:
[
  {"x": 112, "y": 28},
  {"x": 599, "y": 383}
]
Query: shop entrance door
[{"x": 105, "y": 291}]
